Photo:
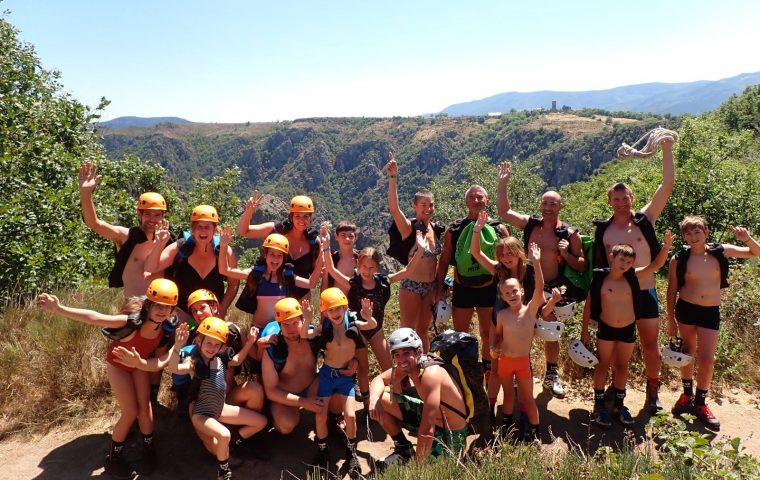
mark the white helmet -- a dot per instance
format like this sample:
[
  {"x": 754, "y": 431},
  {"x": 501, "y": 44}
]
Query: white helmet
[
  {"x": 441, "y": 312},
  {"x": 404, "y": 337},
  {"x": 564, "y": 312},
  {"x": 581, "y": 355},
  {"x": 549, "y": 331},
  {"x": 673, "y": 355}
]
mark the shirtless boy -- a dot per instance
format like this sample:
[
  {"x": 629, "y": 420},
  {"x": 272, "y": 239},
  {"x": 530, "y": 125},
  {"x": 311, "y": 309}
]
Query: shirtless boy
[
  {"x": 133, "y": 245},
  {"x": 559, "y": 244},
  {"x": 613, "y": 302},
  {"x": 697, "y": 275}
]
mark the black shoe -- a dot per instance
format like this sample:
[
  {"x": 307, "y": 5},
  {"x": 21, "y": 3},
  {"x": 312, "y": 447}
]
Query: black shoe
[
  {"x": 685, "y": 404},
  {"x": 321, "y": 460},
  {"x": 224, "y": 475},
  {"x": 624, "y": 416},
  {"x": 400, "y": 455},
  {"x": 354, "y": 471},
  {"x": 602, "y": 417},
  {"x": 117, "y": 467}
]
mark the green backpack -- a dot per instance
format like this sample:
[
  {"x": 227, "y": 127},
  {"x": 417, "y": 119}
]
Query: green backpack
[
  {"x": 470, "y": 272},
  {"x": 582, "y": 280}
]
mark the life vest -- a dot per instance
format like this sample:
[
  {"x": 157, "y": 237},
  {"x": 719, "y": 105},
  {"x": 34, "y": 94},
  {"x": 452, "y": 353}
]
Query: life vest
[
  {"x": 399, "y": 248},
  {"x": 135, "y": 321},
  {"x": 311, "y": 234},
  {"x": 562, "y": 230},
  {"x": 596, "y": 291},
  {"x": 278, "y": 351},
  {"x": 641, "y": 221},
  {"x": 248, "y": 301},
  {"x": 714, "y": 249},
  {"x": 186, "y": 245},
  {"x": 352, "y": 330}
]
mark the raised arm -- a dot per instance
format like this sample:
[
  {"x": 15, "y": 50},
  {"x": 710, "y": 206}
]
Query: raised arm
[
  {"x": 341, "y": 281},
  {"x": 742, "y": 234},
  {"x": 503, "y": 205},
  {"x": 232, "y": 283},
  {"x": 660, "y": 259},
  {"x": 308, "y": 315},
  {"x": 181, "y": 336},
  {"x": 402, "y": 223},
  {"x": 88, "y": 181},
  {"x": 534, "y": 254},
  {"x": 161, "y": 257},
  {"x": 654, "y": 208},
  {"x": 366, "y": 314},
  {"x": 253, "y": 231},
  {"x": 475, "y": 250},
  {"x": 240, "y": 356},
  {"x": 51, "y": 303},
  {"x": 225, "y": 238}
]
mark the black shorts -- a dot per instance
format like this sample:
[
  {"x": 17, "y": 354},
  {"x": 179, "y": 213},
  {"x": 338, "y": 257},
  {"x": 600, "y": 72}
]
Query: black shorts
[
  {"x": 649, "y": 307},
  {"x": 697, "y": 315},
  {"x": 625, "y": 334},
  {"x": 471, "y": 297}
]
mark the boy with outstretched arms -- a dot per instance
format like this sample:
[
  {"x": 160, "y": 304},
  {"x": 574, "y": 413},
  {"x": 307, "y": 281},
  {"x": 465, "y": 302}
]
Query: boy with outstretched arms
[
  {"x": 697, "y": 275},
  {"x": 560, "y": 244},
  {"x": 421, "y": 397},
  {"x": 340, "y": 335},
  {"x": 614, "y": 303},
  {"x": 133, "y": 245},
  {"x": 512, "y": 337}
]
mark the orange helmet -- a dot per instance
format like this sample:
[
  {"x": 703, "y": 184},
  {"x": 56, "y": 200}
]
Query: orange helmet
[
  {"x": 278, "y": 242},
  {"x": 215, "y": 328},
  {"x": 200, "y": 295},
  {"x": 301, "y": 203},
  {"x": 151, "y": 201},
  {"x": 204, "y": 213},
  {"x": 163, "y": 291},
  {"x": 331, "y": 298},
  {"x": 287, "y": 308}
]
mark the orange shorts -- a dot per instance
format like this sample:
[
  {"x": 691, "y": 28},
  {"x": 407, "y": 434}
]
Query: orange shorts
[{"x": 519, "y": 367}]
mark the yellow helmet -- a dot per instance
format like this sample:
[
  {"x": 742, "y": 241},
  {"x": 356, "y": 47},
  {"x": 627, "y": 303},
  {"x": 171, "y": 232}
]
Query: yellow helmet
[
  {"x": 204, "y": 213},
  {"x": 331, "y": 298},
  {"x": 287, "y": 308},
  {"x": 278, "y": 242},
  {"x": 301, "y": 203},
  {"x": 200, "y": 295},
  {"x": 215, "y": 328},
  {"x": 151, "y": 201},
  {"x": 163, "y": 291}
]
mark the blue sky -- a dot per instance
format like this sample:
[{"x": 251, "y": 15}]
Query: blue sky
[{"x": 237, "y": 61}]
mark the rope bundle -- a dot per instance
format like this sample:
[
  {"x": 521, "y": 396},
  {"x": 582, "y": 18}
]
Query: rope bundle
[{"x": 654, "y": 138}]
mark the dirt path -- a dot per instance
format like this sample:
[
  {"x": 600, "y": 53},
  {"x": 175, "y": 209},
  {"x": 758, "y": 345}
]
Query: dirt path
[{"x": 78, "y": 451}]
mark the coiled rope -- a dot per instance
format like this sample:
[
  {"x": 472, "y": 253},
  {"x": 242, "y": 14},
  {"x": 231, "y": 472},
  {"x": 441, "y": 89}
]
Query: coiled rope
[{"x": 654, "y": 138}]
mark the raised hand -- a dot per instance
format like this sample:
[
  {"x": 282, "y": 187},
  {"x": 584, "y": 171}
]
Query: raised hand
[
  {"x": 324, "y": 235},
  {"x": 534, "y": 252},
  {"x": 668, "y": 239},
  {"x": 48, "y": 302},
  {"x": 88, "y": 176},
  {"x": 253, "y": 202},
  {"x": 505, "y": 172},
  {"x": 481, "y": 221},
  {"x": 253, "y": 333},
  {"x": 161, "y": 235},
  {"x": 308, "y": 310},
  {"x": 563, "y": 247},
  {"x": 366, "y": 311},
  {"x": 225, "y": 236},
  {"x": 180, "y": 336},
  {"x": 391, "y": 167},
  {"x": 129, "y": 358},
  {"x": 740, "y": 233},
  {"x": 556, "y": 295}
]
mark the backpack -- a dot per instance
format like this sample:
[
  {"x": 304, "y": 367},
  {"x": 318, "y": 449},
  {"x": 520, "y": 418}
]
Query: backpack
[
  {"x": 399, "y": 248},
  {"x": 582, "y": 280},
  {"x": 457, "y": 353},
  {"x": 472, "y": 273}
]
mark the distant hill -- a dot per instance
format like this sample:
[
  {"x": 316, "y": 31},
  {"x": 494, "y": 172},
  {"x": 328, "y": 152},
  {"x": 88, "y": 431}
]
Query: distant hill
[
  {"x": 674, "y": 98},
  {"x": 140, "y": 122}
]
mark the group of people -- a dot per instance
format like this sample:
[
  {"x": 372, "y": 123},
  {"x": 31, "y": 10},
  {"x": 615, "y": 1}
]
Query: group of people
[{"x": 178, "y": 292}]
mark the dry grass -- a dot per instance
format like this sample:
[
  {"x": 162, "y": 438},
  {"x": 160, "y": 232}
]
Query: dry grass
[{"x": 573, "y": 125}]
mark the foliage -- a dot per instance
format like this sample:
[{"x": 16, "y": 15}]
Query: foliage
[{"x": 742, "y": 112}]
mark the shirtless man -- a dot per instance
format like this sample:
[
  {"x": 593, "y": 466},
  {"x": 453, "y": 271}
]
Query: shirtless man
[
  {"x": 697, "y": 275},
  {"x": 469, "y": 299},
  {"x": 559, "y": 244},
  {"x": 637, "y": 229},
  {"x": 428, "y": 404},
  {"x": 133, "y": 245}
]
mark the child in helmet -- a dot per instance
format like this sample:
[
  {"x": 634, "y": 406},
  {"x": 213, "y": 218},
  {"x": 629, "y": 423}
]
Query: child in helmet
[
  {"x": 304, "y": 249},
  {"x": 142, "y": 325},
  {"x": 367, "y": 282},
  {"x": 194, "y": 259},
  {"x": 511, "y": 340},
  {"x": 339, "y": 332},
  {"x": 269, "y": 280},
  {"x": 612, "y": 303},
  {"x": 208, "y": 365},
  {"x": 696, "y": 276}
]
